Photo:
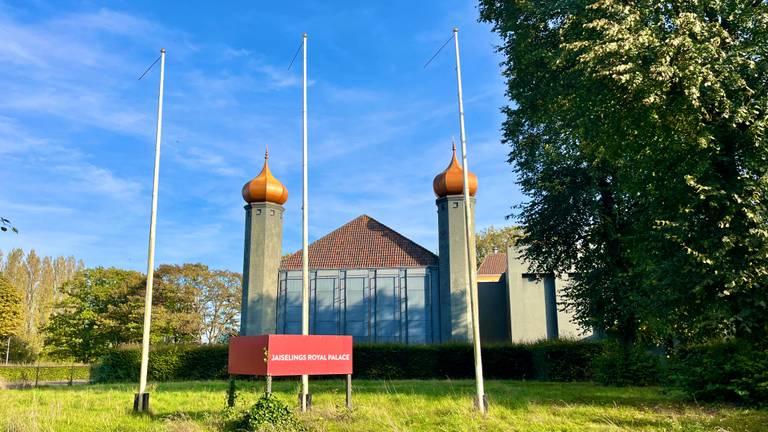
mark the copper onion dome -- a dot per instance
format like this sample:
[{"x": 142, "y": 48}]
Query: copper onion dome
[
  {"x": 265, "y": 187},
  {"x": 451, "y": 181}
]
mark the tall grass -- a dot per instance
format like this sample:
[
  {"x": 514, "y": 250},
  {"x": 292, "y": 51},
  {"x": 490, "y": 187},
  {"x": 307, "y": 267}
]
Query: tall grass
[{"x": 417, "y": 405}]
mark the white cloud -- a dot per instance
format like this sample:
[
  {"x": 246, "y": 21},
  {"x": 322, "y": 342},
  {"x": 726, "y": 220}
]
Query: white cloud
[{"x": 77, "y": 134}]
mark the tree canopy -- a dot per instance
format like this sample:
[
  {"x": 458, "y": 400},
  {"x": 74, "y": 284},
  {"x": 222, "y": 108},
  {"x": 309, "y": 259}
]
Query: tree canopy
[
  {"x": 494, "y": 239},
  {"x": 212, "y": 297},
  {"x": 637, "y": 130},
  {"x": 10, "y": 309},
  {"x": 104, "y": 307}
]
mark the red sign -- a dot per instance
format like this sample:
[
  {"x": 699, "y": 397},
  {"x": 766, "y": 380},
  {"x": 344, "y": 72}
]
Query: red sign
[{"x": 286, "y": 355}]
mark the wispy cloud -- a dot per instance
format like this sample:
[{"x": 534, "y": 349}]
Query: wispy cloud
[{"x": 77, "y": 128}]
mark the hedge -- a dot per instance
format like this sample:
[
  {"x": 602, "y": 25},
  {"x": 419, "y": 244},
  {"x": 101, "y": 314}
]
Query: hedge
[
  {"x": 42, "y": 373},
  {"x": 727, "y": 370},
  {"x": 547, "y": 360}
]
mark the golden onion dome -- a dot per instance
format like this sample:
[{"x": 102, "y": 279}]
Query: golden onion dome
[
  {"x": 265, "y": 187},
  {"x": 451, "y": 181}
]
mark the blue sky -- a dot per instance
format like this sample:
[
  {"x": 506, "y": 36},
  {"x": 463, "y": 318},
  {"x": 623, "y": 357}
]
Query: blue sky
[{"x": 77, "y": 128}]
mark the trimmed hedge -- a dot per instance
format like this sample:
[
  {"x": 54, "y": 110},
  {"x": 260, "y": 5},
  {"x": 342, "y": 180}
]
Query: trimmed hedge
[
  {"x": 548, "y": 360},
  {"x": 730, "y": 370},
  {"x": 166, "y": 363},
  {"x": 30, "y": 373},
  {"x": 623, "y": 367}
]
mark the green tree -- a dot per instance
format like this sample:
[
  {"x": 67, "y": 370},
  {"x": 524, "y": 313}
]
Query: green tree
[
  {"x": 494, "y": 239},
  {"x": 637, "y": 131},
  {"x": 94, "y": 314},
  {"x": 104, "y": 307},
  {"x": 209, "y": 299},
  {"x": 10, "y": 310},
  {"x": 38, "y": 281}
]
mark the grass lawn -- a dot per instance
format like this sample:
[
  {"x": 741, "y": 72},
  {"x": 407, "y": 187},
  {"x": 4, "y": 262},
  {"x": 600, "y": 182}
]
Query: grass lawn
[{"x": 379, "y": 406}]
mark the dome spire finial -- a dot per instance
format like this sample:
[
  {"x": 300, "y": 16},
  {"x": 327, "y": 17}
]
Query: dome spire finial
[
  {"x": 451, "y": 181},
  {"x": 265, "y": 187}
]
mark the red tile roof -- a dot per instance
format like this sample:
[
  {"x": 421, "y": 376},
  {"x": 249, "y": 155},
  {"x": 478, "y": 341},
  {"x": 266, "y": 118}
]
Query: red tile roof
[
  {"x": 493, "y": 264},
  {"x": 362, "y": 243}
]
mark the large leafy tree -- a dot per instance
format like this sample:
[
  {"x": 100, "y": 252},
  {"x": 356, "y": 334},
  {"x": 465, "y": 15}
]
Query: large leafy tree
[
  {"x": 10, "y": 309},
  {"x": 38, "y": 281},
  {"x": 104, "y": 307},
  {"x": 637, "y": 131},
  {"x": 93, "y": 315},
  {"x": 210, "y": 299}
]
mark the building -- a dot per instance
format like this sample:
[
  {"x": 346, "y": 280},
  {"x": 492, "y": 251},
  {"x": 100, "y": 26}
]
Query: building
[
  {"x": 369, "y": 281},
  {"x": 521, "y": 306},
  {"x": 366, "y": 280}
]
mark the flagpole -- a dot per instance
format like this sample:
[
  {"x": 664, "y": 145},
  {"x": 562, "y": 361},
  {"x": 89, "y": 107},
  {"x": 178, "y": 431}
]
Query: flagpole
[
  {"x": 141, "y": 401},
  {"x": 304, "y": 233},
  {"x": 471, "y": 258}
]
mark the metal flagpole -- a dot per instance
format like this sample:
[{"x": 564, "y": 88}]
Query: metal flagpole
[
  {"x": 471, "y": 258},
  {"x": 141, "y": 401},
  {"x": 304, "y": 235}
]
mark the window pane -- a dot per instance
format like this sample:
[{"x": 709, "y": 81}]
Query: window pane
[
  {"x": 417, "y": 331},
  {"x": 387, "y": 328},
  {"x": 324, "y": 300},
  {"x": 293, "y": 306}
]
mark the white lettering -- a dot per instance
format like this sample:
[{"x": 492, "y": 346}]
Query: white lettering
[{"x": 311, "y": 357}]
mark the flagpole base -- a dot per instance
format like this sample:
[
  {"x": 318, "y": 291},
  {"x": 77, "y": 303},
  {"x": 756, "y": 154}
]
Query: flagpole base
[
  {"x": 141, "y": 402},
  {"x": 484, "y": 407},
  {"x": 307, "y": 405}
]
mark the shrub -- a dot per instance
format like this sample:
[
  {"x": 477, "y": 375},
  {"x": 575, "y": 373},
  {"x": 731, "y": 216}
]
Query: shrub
[
  {"x": 729, "y": 370},
  {"x": 20, "y": 351},
  {"x": 30, "y": 373},
  {"x": 204, "y": 362},
  {"x": 508, "y": 361},
  {"x": 622, "y": 367},
  {"x": 550, "y": 360},
  {"x": 270, "y": 413},
  {"x": 120, "y": 364},
  {"x": 166, "y": 363},
  {"x": 565, "y": 360}
]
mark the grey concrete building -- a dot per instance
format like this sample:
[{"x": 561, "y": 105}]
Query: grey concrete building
[
  {"x": 370, "y": 282},
  {"x": 521, "y": 306}
]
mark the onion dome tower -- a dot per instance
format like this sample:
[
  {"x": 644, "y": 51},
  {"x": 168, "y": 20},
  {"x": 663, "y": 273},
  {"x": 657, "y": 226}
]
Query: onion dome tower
[
  {"x": 264, "y": 196},
  {"x": 455, "y": 312},
  {"x": 265, "y": 187},
  {"x": 451, "y": 181}
]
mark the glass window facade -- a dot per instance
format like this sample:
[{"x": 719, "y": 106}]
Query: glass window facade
[{"x": 372, "y": 305}]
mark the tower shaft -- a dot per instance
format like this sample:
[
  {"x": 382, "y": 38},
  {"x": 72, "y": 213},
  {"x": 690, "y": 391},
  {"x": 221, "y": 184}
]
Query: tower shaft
[
  {"x": 261, "y": 263},
  {"x": 455, "y": 311}
]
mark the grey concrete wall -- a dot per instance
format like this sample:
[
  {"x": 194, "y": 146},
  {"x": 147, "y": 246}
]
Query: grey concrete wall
[
  {"x": 567, "y": 328},
  {"x": 494, "y": 314},
  {"x": 535, "y": 304},
  {"x": 261, "y": 262},
  {"x": 455, "y": 317}
]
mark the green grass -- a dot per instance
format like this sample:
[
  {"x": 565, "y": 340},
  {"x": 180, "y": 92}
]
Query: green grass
[{"x": 378, "y": 406}]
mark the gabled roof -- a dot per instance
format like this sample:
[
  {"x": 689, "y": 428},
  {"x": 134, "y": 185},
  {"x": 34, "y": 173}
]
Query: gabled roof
[
  {"x": 363, "y": 242},
  {"x": 493, "y": 264}
]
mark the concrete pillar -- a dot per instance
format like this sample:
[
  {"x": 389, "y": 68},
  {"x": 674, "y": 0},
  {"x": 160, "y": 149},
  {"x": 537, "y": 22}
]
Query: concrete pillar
[
  {"x": 261, "y": 263},
  {"x": 455, "y": 313}
]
